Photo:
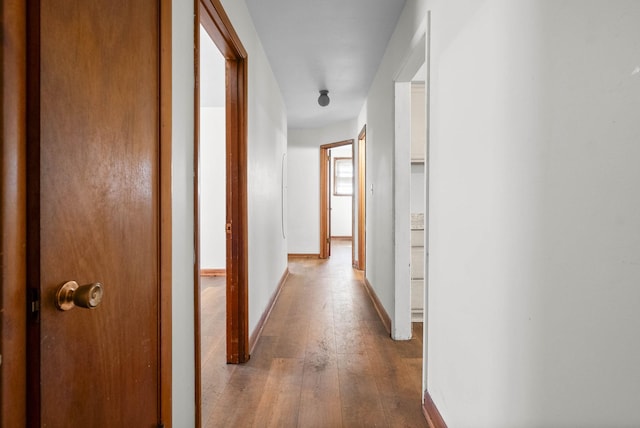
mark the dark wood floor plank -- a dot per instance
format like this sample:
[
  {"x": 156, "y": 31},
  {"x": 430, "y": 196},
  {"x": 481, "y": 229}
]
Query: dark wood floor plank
[
  {"x": 397, "y": 382},
  {"x": 360, "y": 398},
  {"x": 320, "y": 403},
  {"x": 324, "y": 358},
  {"x": 280, "y": 402}
]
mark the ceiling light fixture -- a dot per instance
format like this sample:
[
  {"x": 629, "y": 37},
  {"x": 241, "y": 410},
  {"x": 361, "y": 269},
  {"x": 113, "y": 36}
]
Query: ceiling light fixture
[{"x": 323, "y": 99}]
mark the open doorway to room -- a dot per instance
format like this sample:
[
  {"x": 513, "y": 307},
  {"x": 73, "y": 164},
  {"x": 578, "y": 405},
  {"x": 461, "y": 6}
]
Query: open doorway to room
[
  {"x": 220, "y": 202},
  {"x": 336, "y": 196},
  {"x": 211, "y": 240},
  {"x": 411, "y": 213},
  {"x": 411, "y": 209}
]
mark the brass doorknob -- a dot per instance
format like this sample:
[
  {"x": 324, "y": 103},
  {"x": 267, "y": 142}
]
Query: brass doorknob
[{"x": 70, "y": 295}]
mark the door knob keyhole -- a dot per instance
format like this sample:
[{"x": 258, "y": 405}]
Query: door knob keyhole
[{"x": 70, "y": 295}]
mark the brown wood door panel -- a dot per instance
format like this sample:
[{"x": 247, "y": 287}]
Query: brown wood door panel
[
  {"x": 362, "y": 198},
  {"x": 97, "y": 212}
]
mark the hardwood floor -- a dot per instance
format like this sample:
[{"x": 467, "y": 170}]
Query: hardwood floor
[{"x": 324, "y": 358}]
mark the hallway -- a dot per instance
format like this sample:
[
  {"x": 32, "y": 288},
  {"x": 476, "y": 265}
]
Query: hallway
[{"x": 324, "y": 358}]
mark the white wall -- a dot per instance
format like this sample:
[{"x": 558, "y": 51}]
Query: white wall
[
  {"x": 340, "y": 205},
  {"x": 303, "y": 160},
  {"x": 378, "y": 115},
  {"x": 212, "y": 188},
  {"x": 534, "y": 213},
  {"x": 267, "y": 139},
  {"x": 212, "y": 155}
]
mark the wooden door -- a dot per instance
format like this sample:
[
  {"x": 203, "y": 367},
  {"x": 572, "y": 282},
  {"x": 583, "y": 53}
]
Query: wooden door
[
  {"x": 325, "y": 202},
  {"x": 362, "y": 198},
  {"x": 328, "y": 196},
  {"x": 94, "y": 213}
]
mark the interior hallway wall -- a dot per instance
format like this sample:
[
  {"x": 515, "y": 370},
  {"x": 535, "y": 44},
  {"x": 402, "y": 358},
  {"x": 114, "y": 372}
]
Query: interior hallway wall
[
  {"x": 267, "y": 143},
  {"x": 378, "y": 115},
  {"x": 534, "y": 244},
  {"x": 303, "y": 159}
]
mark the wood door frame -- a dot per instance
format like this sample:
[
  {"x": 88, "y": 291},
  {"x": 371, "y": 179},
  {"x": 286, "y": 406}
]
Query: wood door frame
[
  {"x": 211, "y": 15},
  {"x": 325, "y": 239},
  {"x": 13, "y": 298},
  {"x": 362, "y": 199},
  {"x": 15, "y": 110}
]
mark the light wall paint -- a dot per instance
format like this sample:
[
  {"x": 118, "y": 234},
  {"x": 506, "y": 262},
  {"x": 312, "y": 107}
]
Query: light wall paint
[
  {"x": 534, "y": 213},
  {"x": 532, "y": 299},
  {"x": 303, "y": 160},
  {"x": 378, "y": 115},
  {"x": 267, "y": 143},
  {"x": 212, "y": 73},
  {"x": 212, "y": 187},
  {"x": 402, "y": 251},
  {"x": 182, "y": 297},
  {"x": 340, "y": 205}
]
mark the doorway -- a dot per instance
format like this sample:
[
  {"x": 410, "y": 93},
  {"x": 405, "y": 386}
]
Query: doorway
[
  {"x": 336, "y": 188},
  {"x": 409, "y": 156},
  {"x": 212, "y": 234},
  {"x": 217, "y": 27}
]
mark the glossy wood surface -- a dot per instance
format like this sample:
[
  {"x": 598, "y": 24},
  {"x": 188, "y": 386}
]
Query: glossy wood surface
[
  {"x": 431, "y": 413},
  {"x": 362, "y": 199},
  {"x": 13, "y": 215},
  {"x": 97, "y": 204},
  {"x": 325, "y": 217},
  {"x": 166, "y": 215},
  {"x": 324, "y": 358}
]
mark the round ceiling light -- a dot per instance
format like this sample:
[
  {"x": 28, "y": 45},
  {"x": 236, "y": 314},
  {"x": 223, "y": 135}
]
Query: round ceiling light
[{"x": 323, "y": 99}]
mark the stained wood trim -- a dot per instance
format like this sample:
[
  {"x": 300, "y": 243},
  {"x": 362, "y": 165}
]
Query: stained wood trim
[
  {"x": 197, "y": 302},
  {"x": 213, "y": 272},
  {"x": 324, "y": 203},
  {"x": 354, "y": 193},
  {"x": 237, "y": 246},
  {"x": 382, "y": 313},
  {"x": 362, "y": 198},
  {"x": 13, "y": 215},
  {"x": 431, "y": 413},
  {"x": 166, "y": 246},
  {"x": 325, "y": 244},
  {"x": 303, "y": 256},
  {"x": 255, "y": 336},
  {"x": 225, "y": 37},
  {"x": 337, "y": 144},
  {"x": 342, "y": 238},
  {"x": 32, "y": 181}
]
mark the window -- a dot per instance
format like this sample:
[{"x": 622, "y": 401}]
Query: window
[{"x": 342, "y": 177}]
